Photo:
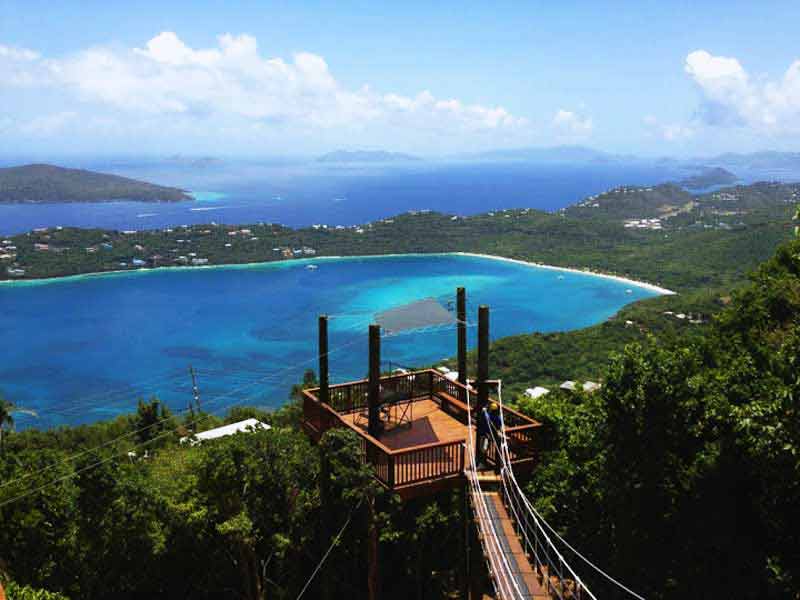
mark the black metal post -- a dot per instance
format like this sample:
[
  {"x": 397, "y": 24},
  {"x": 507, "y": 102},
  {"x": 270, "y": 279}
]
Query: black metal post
[
  {"x": 483, "y": 356},
  {"x": 323, "y": 359},
  {"x": 461, "y": 315},
  {"x": 373, "y": 396},
  {"x": 483, "y": 375}
]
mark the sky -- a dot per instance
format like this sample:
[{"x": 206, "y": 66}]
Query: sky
[{"x": 255, "y": 79}]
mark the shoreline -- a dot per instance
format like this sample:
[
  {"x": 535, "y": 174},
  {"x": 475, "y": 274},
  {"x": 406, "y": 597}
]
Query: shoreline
[
  {"x": 642, "y": 284},
  {"x": 287, "y": 262}
]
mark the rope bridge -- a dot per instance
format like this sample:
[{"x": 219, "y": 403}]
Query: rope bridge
[{"x": 522, "y": 559}]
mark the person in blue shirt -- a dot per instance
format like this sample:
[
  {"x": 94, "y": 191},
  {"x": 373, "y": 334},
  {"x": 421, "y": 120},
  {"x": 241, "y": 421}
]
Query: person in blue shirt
[{"x": 489, "y": 424}]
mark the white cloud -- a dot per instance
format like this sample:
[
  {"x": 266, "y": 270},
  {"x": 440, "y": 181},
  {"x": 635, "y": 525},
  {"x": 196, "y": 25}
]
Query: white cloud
[
  {"x": 572, "y": 123},
  {"x": 233, "y": 85},
  {"x": 732, "y": 96},
  {"x": 47, "y": 125},
  {"x": 671, "y": 132}
]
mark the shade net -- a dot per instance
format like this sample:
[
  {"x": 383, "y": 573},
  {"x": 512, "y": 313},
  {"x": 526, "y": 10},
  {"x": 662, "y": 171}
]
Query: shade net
[{"x": 416, "y": 315}]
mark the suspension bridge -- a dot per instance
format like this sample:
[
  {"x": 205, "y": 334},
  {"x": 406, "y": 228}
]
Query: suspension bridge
[{"x": 419, "y": 431}]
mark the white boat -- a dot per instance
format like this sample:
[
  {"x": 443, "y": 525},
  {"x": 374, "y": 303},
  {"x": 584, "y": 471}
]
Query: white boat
[{"x": 312, "y": 267}]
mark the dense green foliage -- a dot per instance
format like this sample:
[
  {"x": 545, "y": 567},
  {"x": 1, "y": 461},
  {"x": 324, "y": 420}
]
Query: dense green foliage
[
  {"x": 246, "y": 516},
  {"x": 682, "y": 474},
  {"x": 25, "y": 592},
  {"x": 48, "y": 183}
]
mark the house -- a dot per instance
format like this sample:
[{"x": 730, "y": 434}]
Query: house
[
  {"x": 138, "y": 262},
  {"x": 442, "y": 369},
  {"x": 536, "y": 392},
  {"x": 591, "y": 386},
  {"x": 246, "y": 426},
  {"x": 451, "y": 375},
  {"x": 41, "y": 247},
  {"x": 15, "y": 272},
  {"x": 199, "y": 261},
  {"x": 568, "y": 385}
]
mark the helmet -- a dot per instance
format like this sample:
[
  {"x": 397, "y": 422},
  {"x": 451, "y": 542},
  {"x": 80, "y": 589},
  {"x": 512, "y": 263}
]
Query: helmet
[{"x": 493, "y": 406}]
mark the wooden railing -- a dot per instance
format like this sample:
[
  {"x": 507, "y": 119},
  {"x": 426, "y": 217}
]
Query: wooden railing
[
  {"x": 427, "y": 462},
  {"x": 417, "y": 464},
  {"x": 346, "y": 398}
]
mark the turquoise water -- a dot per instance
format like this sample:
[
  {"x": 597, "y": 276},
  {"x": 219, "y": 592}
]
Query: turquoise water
[
  {"x": 207, "y": 196},
  {"x": 83, "y": 349}
]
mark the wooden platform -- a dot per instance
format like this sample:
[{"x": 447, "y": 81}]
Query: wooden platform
[
  {"x": 425, "y": 453},
  {"x": 428, "y": 425}
]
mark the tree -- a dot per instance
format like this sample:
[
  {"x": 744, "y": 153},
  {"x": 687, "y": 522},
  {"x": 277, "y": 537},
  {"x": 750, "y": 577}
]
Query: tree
[
  {"x": 152, "y": 418},
  {"x": 6, "y": 419}
]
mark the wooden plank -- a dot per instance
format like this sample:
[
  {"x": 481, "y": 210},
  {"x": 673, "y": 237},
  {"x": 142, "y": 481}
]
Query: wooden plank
[{"x": 518, "y": 560}]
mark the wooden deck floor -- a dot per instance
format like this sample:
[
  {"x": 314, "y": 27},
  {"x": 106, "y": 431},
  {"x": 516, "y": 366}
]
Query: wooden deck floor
[{"x": 429, "y": 424}]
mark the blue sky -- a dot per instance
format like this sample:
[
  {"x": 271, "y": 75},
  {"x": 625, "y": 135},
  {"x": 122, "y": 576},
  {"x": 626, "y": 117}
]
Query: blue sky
[{"x": 253, "y": 78}]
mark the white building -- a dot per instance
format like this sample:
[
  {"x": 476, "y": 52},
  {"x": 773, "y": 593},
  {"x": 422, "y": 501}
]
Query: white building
[
  {"x": 536, "y": 392},
  {"x": 246, "y": 426}
]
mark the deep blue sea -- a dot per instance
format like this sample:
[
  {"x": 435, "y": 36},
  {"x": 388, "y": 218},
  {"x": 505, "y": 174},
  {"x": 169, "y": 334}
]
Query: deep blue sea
[
  {"x": 83, "y": 349},
  {"x": 303, "y": 194}
]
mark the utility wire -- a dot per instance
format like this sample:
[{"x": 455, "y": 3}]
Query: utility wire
[
  {"x": 160, "y": 421},
  {"x": 325, "y": 557}
]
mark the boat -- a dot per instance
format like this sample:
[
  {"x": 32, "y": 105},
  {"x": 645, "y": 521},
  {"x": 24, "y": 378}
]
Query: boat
[{"x": 312, "y": 267}]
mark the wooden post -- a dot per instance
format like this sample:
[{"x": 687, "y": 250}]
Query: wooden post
[
  {"x": 483, "y": 370},
  {"x": 323, "y": 359},
  {"x": 461, "y": 315},
  {"x": 373, "y": 573},
  {"x": 465, "y": 541},
  {"x": 373, "y": 396}
]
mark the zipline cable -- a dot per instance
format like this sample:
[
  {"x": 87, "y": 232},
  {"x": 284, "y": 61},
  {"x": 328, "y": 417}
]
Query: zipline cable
[
  {"x": 160, "y": 421},
  {"x": 330, "y": 548},
  {"x": 538, "y": 516}
]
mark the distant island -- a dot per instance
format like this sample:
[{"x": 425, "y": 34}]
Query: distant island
[
  {"x": 366, "y": 156},
  {"x": 40, "y": 183},
  {"x": 787, "y": 161},
  {"x": 709, "y": 177},
  {"x": 549, "y": 154}
]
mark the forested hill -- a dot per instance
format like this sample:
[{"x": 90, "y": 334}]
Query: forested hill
[
  {"x": 680, "y": 474},
  {"x": 696, "y": 242},
  {"x": 49, "y": 183}
]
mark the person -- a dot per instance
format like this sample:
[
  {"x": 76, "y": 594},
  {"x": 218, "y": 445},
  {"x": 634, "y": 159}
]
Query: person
[{"x": 488, "y": 425}]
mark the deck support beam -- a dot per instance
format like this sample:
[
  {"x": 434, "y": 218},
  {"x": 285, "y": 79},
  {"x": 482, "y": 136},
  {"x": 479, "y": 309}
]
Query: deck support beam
[
  {"x": 483, "y": 356},
  {"x": 483, "y": 372},
  {"x": 461, "y": 315},
  {"x": 374, "y": 386},
  {"x": 323, "y": 359}
]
